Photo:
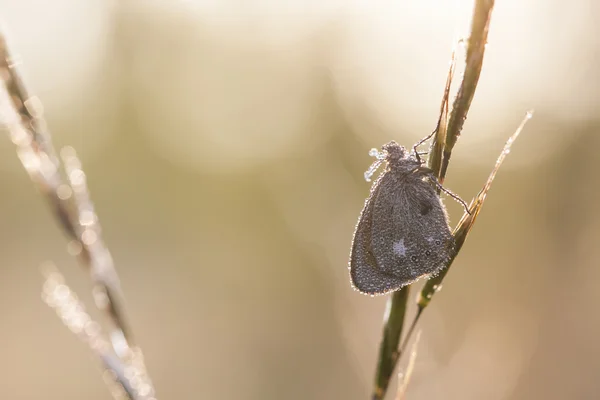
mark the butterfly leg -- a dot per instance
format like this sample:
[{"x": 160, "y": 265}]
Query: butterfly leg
[
  {"x": 453, "y": 195},
  {"x": 420, "y": 142},
  {"x": 429, "y": 173}
]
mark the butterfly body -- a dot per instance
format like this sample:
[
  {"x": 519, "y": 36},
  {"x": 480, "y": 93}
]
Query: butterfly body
[{"x": 402, "y": 233}]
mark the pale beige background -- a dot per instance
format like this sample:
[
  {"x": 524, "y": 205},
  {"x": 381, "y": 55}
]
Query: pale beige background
[{"x": 225, "y": 143}]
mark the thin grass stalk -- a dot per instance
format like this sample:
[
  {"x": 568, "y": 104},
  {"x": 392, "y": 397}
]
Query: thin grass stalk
[
  {"x": 404, "y": 378},
  {"x": 447, "y": 132},
  {"x": 57, "y": 295},
  {"x": 480, "y": 24},
  {"x": 465, "y": 225},
  {"x": 392, "y": 331},
  {"x": 393, "y": 322},
  {"x": 71, "y": 204}
]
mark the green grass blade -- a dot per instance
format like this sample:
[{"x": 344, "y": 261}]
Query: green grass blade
[
  {"x": 476, "y": 43},
  {"x": 393, "y": 325},
  {"x": 388, "y": 349},
  {"x": 447, "y": 132}
]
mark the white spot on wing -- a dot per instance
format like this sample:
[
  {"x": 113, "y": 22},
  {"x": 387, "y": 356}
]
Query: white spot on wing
[{"x": 400, "y": 248}]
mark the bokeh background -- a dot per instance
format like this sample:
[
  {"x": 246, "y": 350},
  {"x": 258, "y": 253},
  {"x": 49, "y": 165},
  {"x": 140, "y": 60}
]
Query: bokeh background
[{"x": 225, "y": 144}]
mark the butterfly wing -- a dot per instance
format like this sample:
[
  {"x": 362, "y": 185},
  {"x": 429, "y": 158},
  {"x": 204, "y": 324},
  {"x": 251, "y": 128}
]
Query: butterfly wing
[
  {"x": 410, "y": 235},
  {"x": 365, "y": 274}
]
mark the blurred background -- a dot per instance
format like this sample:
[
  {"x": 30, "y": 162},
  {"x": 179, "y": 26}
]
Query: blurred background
[{"x": 225, "y": 144}]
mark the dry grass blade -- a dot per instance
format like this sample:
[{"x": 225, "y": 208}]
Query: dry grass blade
[
  {"x": 71, "y": 311},
  {"x": 438, "y": 141},
  {"x": 434, "y": 284},
  {"x": 70, "y": 201},
  {"x": 466, "y": 223},
  {"x": 404, "y": 378}
]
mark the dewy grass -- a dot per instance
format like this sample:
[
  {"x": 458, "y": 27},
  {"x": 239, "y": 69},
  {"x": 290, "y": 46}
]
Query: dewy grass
[
  {"x": 449, "y": 127},
  {"x": 70, "y": 202}
]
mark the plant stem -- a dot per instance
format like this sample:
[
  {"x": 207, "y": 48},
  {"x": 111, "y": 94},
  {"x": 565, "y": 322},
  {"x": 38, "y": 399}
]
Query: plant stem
[
  {"x": 388, "y": 349},
  {"x": 448, "y": 131}
]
